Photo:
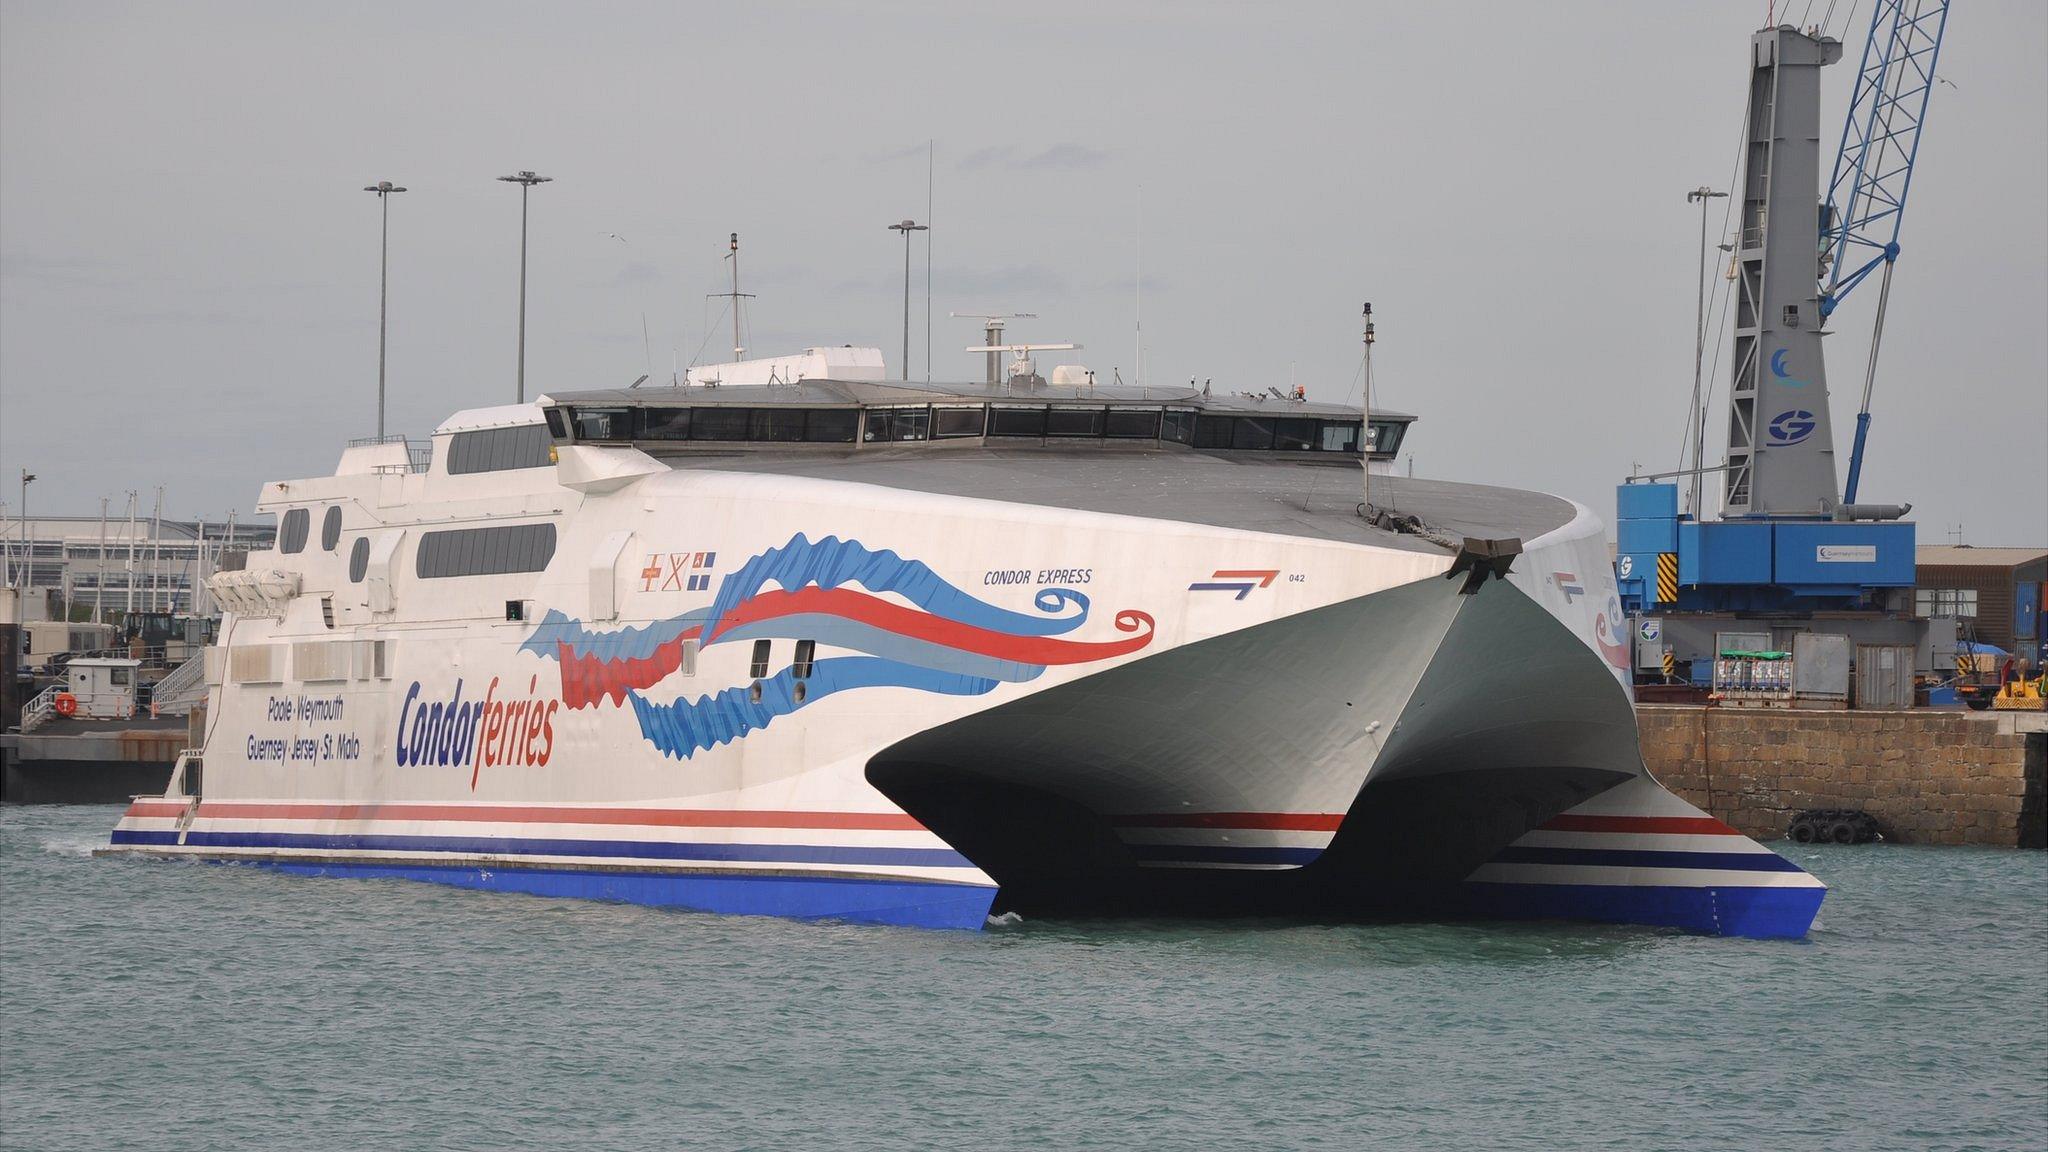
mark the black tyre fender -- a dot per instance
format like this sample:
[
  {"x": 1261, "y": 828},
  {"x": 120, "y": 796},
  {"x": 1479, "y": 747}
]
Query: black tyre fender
[{"x": 1842, "y": 832}]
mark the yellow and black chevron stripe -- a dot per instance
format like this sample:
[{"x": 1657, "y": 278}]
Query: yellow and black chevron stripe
[{"x": 1667, "y": 577}]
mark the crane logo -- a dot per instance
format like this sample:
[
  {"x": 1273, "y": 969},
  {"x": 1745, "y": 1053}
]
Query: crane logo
[
  {"x": 1792, "y": 426},
  {"x": 1783, "y": 373}
]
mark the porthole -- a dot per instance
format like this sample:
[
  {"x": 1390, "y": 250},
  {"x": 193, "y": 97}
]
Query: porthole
[
  {"x": 359, "y": 560},
  {"x": 330, "y": 529}
]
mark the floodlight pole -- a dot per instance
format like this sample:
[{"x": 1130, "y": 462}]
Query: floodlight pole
[
  {"x": 526, "y": 181},
  {"x": 1702, "y": 194},
  {"x": 907, "y": 227},
  {"x": 383, "y": 189}
]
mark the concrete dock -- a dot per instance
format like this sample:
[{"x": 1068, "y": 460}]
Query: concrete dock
[{"x": 1927, "y": 776}]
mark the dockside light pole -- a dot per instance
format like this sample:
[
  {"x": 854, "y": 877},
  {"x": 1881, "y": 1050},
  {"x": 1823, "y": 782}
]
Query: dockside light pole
[
  {"x": 27, "y": 581},
  {"x": 526, "y": 181},
  {"x": 383, "y": 189},
  {"x": 907, "y": 227},
  {"x": 1702, "y": 194}
]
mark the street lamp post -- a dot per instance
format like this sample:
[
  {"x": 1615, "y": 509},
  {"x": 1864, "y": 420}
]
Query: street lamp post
[
  {"x": 383, "y": 189},
  {"x": 1699, "y": 348},
  {"x": 28, "y": 544},
  {"x": 907, "y": 227},
  {"x": 526, "y": 181}
]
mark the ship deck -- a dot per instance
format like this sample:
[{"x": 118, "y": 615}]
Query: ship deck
[{"x": 1252, "y": 492}]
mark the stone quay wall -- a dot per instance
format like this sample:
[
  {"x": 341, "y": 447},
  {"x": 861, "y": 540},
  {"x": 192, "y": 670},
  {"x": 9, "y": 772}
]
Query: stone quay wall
[{"x": 1928, "y": 777}]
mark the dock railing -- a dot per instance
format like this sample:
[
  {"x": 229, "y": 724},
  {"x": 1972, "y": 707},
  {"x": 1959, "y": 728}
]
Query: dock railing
[{"x": 39, "y": 708}]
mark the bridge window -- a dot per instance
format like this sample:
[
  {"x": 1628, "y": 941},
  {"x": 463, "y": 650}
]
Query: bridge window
[
  {"x": 291, "y": 535},
  {"x": 898, "y": 424},
  {"x": 499, "y": 449},
  {"x": 1074, "y": 422},
  {"x": 1294, "y": 435},
  {"x": 806, "y": 658},
  {"x": 1016, "y": 422},
  {"x": 832, "y": 425},
  {"x": 778, "y": 425},
  {"x": 719, "y": 424},
  {"x": 485, "y": 551},
  {"x": 664, "y": 424},
  {"x": 604, "y": 423},
  {"x": 1212, "y": 432},
  {"x": 952, "y": 423},
  {"x": 1132, "y": 424},
  {"x": 1178, "y": 426},
  {"x": 757, "y": 668},
  {"x": 1252, "y": 432},
  {"x": 1339, "y": 436}
]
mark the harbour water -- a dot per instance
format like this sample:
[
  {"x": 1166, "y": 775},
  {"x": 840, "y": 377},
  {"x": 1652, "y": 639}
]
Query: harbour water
[{"x": 171, "y": 1006}]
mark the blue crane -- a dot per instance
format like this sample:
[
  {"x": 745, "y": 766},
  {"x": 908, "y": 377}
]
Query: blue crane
[{"x": 1866, "y": 200}]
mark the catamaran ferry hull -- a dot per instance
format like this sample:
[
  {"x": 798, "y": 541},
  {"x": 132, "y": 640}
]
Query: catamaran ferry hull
[{"x": 910, "y": 686}]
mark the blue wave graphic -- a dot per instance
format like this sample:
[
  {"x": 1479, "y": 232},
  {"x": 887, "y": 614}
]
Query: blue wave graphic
[
  {"x": 831, "y": 562},
  {"x": 621, "y": 644},
  {"x": 684, "y": 728}
]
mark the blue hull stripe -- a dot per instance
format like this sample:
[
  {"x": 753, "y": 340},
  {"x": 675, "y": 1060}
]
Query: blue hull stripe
[
  {"x": 1761, "y": 913},
  {"x": 523, "y": 846},
  {"x": 1628, "y": 858},
  {"x": 860, "y": 900}
]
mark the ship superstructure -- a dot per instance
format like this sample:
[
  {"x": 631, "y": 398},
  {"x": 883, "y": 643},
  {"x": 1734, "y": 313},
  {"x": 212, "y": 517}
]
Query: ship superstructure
[{"x": 904, "y": 653}]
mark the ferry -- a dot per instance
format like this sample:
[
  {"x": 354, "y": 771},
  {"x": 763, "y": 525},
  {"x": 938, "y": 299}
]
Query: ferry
[{"x": 790, "y": 638}]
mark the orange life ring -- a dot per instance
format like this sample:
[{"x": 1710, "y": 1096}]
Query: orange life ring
[{"x": 65, "y": 703}]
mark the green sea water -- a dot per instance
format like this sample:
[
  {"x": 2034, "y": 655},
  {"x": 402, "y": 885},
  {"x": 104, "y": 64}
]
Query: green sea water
[{"x": 158, "y": 1005}]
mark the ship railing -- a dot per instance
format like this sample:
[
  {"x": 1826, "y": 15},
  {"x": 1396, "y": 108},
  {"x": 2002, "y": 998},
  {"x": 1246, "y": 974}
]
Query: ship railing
[
  {"x": 40, "y": 708},
  {"x": 418, "y": 453}
]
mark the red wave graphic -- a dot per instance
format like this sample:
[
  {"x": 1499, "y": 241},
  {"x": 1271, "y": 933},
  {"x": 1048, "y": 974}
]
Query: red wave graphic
[
  {"x": 910, "y": 622},
  {"x": 589, "y": 680}
]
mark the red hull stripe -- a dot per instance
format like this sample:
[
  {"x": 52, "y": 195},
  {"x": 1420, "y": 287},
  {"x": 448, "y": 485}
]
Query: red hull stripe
[
  {"x": 520, "y": 814},
  {"x": 903, "y": 621},
  {"x": 1272, "y": 821},
  {"x": 1668, "y": 825}
]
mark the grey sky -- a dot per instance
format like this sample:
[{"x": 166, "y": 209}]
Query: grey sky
[{"x": 188, "y": 268}]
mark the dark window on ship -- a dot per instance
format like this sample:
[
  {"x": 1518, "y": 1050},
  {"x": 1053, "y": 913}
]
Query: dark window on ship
[
  {"x": 1016, "y": 422},
  {"x": 951, "y": 423},
  {"x": 604, "y": 423},
  {"x": 719, "y": 424},
  {"x": 359, "y": 560},
  {"x": 1340, "y": 436},
  {"x": 833, "y": 426},
  {"x": 1132, "y": 424},
  {"x": 1294, "y": 435},
  {"x": 1386, "y": 436},
  {"x": 1178, "y": 426},
  {"x": 1212, "y": 432},
  {"x": 558, "y": 426},
  {"x": 291, "y": 536},
  {"x": 778, "y": 425},
  {"x": 758, "y": 667},
  {"x": 806, "y": 656},
  {"x": 1074, "y": 422},
  {"x": 485, "y": 551},
  {"x": 330, "y": 529},
  {"x": 499, "y": 449},
  {"x": 664, "y": 424},
  {"x": 1252, "y": 432},
  {"x": 886, "y": 424}
]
